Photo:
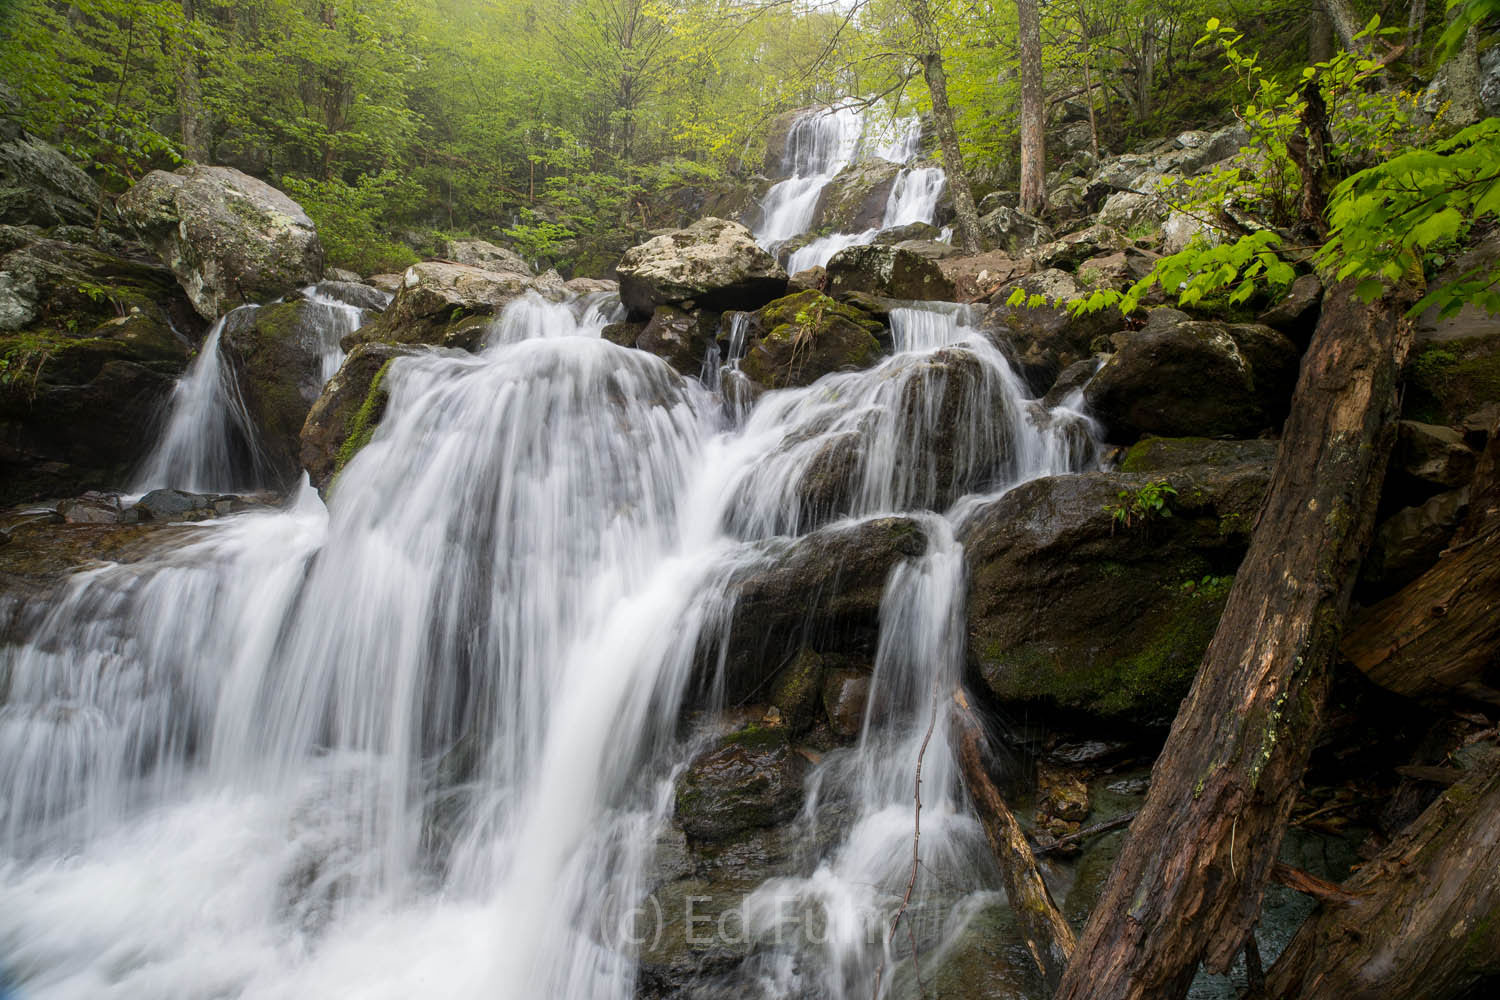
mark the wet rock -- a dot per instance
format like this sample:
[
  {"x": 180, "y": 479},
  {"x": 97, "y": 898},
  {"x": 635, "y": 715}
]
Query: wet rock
[
  {"x": 1176, "y": 378},
  {"x": 1071, "y": 608},
  {"x": 820, "y": 591},
  {"x": 484, "y": 255},
  {"x": 91, "y": 356},
  {"x": 451, "y": 305},
  {"x": 856, "y": 197},
  {"x": 1012, "y": 231},
  {"x": 798, "y": 690},
  {"x": 1061, "y": 795},
  {"x": 679, "y": 337},
  {"x": 389, "y": 283},
  {"x": 356, "y": 294},
  {"x": 846, "y": 692},
  {"x": 886, "y": 271},
  {"x": 347, "y": 411},
  {"x": 1296, "y": 315},
  {"x": 622, "y": 334},
  {"x": 91, "y": 508},
  {"x": 41, "y": 552},
  {"x": 174, "y": 505},
  {"x": 230, "y": 239},
  {"x": 1073, "y": 378},
  {"x": 798, "y": 339},
  {"x": 1408, "y": 543},
  {"x": 753, "y": 779},
  {"x": 342, "y": 274},
  {"x": 1433, "y": 455},
  {"x": 714, "y": 262},
  {"x": 1085, "y": 752},
  {"x": 1042, "y": 340},
  {"x": 275, "y": 356},
  {"x": 910, "y": 233}
]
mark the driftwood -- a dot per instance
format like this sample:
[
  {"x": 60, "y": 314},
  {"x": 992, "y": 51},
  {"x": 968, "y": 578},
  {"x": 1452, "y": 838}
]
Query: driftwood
[
  {"x": 1048, "y": 936},
  {"x": 1068, "y": 840},
  {"x": 1188, "y": 884},
  {"x": 1425, "y": 916},
  {"x": 1440, "y": 635}
]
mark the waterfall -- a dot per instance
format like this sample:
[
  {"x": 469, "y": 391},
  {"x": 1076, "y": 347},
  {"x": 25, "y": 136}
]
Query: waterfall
[
  {"x": 422, "y": 741},
  {"x": 209, "y": 443}
]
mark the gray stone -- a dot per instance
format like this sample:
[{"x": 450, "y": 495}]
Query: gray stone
[{"x": 714, "y": 263}]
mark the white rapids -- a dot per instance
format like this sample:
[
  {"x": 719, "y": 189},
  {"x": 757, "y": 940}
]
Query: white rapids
[{"x": 421, "y": 741}]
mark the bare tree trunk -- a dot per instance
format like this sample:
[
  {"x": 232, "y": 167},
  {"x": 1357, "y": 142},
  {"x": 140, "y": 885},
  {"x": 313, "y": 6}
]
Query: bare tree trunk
[
  {"x": 1048, "y": 936},
  {"x": 1033, "y": 111},
  {"x": 942, "y": 114},
  {"x": 1416, "y": 22},
  {"x": 1187, "y": 886},
  {"x": 1344, "y": 24},
  {"x": 1423, "y": 920}
]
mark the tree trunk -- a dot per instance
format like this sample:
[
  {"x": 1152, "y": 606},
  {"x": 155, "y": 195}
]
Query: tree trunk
[
  {"x": 1048, "y": 936},
  {"x": 1187, "y": 886},
  {"x": 1416, "y": 23},
  {"x": 1424, "y": 923},
  {"x": 1440, "y": 635},
  {"x": 1033, "y": 111},
  {"x": 1344, "y": 24},
  {"x": 942, "y": 116}
]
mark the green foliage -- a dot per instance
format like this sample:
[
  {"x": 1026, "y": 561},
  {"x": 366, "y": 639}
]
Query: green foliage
[
  {"x": 1388, "y": 216},
  {"x": 1143, "y": 504},
  {"x": 348, "y": 219}
]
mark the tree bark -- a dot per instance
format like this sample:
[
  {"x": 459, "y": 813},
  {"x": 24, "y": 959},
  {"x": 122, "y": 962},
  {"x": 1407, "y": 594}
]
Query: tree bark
[
  {"x": 1416, "y": 23},
  {"x": 1440, "y": 635},
  {"x": 1048, "y": 936},
  {"x": 1033, "y": 111},
  {"x": 1187, "y": 886},
  {"x": 1344, "y": 24},
  {"x": 190, "y": 94},
  {"x": 1423, "y": 923},
  {"x": 942, "y": 116}
]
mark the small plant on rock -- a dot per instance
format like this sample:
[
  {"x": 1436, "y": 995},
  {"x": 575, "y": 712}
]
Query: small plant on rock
[{"x": 1142, "y": 505}]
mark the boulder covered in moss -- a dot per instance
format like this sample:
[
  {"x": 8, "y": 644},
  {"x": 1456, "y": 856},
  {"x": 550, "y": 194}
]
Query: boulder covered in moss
[
  {"x": 752, "y": 779},
  {"x": 798, "y": 339},
  {"x": 714, "y": 263},
  {"x": 452, "y": 305},
  {"x": 1178, "y": 377},
  {"x": 346, "y": 413},
  {"x": 887, "y": 271},
  {"x": 1098, "y": 593},
  {"x": 91, "y": 343},
  {"x": 230, "y": 239}
]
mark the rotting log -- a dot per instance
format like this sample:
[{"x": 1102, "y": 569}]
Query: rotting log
[
  {"x": 1439, "y": 636},
  {"x": 1048, "y": 936},
  {"x": 1424, "y": 920},
  {"x": 1188, "y": 883}
]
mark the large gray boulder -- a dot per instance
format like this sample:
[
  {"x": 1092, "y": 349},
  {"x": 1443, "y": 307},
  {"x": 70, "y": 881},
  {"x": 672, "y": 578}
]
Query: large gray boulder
[
  {"x": 1009, "y": 230},
  {"x": 713, "y": 263},
  {"x": 889, "y": 272},
  {"x": 1178, "y": 377},
  {"x": 856, "y": 197},
  {"x": 39, "y": 186},
  {"x": 484, "y": 255},
  {"x": 452, "y": 305},
  {"x": 1073, "y": 609},
  {"x": 230, "y": 239}
]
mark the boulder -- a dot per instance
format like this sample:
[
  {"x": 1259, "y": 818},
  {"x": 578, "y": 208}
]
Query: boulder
[
  {"x": 90, "y": 351},
  {"x": 679, "y": 337},
  {"x": 753, "y": 779},
  {"x": 911, "y": 232},
  {"x": 451, "y": 305},
  {"x": 1296, "y": 315},
  {"x": 1433, "y": 455},
  {"x": 1118, "y": 270},
  {"x": 1408, "y": 543},
  {"x": 1042, "y": 340},
  {"x": 856, "y": 197},
  {"x": 230, "y": 239},
  {"x": 1009, "y": 230},
  {"x": 713, "y": 263},
  {"x": 1067, "y": 252},
  {"x": 798, "y": 692},
  {"x": 347, "y": 411},
  {"x": 886, "y": 271},
  {"x": 1179, "y": 377},
  {"x": 40, "y": 553},
  {"x": 821, "y": 591},
  {"x": 980, "y": 276},
  {"x": 484, "y": 255},
  {"x": 798, "y": 339},
  {"x": 1071, "y": 608},
  {"x": 356, "y": 294},
  {"x": 846, "y": 692},
  {"x": 275, "y": 356},
  {"x": 39, "y": 186}
]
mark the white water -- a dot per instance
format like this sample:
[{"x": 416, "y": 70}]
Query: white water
[
  {"x": 420, "y": 742},
  {"x": 824, "y": 143},
  {"x": 209, "y": 443}
]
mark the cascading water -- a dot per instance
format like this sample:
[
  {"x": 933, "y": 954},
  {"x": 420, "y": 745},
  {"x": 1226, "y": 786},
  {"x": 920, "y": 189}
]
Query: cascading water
[
  {"x": 209, "y": 443},
  {"x": 422, "y": 741}
]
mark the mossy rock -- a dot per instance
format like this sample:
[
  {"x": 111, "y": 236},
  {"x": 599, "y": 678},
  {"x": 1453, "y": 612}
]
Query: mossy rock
[
  {"x": 752, "y": 779},
  {"x": 798, "y": 690},
  {"x": 800, "y": 338},
  {"x": 1449, "y": 380},
  {"x": 344, "y": 417}
]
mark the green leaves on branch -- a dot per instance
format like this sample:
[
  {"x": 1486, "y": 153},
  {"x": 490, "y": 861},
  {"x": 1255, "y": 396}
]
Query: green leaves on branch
[{"x": 1387, "y": 217}]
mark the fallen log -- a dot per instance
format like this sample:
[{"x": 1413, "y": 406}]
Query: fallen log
[
  {"x": 1439, "y": 636},
  {"x": 1188, "y": 884},
  {"x": 1424, "y": 920},
  {"x": 1048, "y": 936}
]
